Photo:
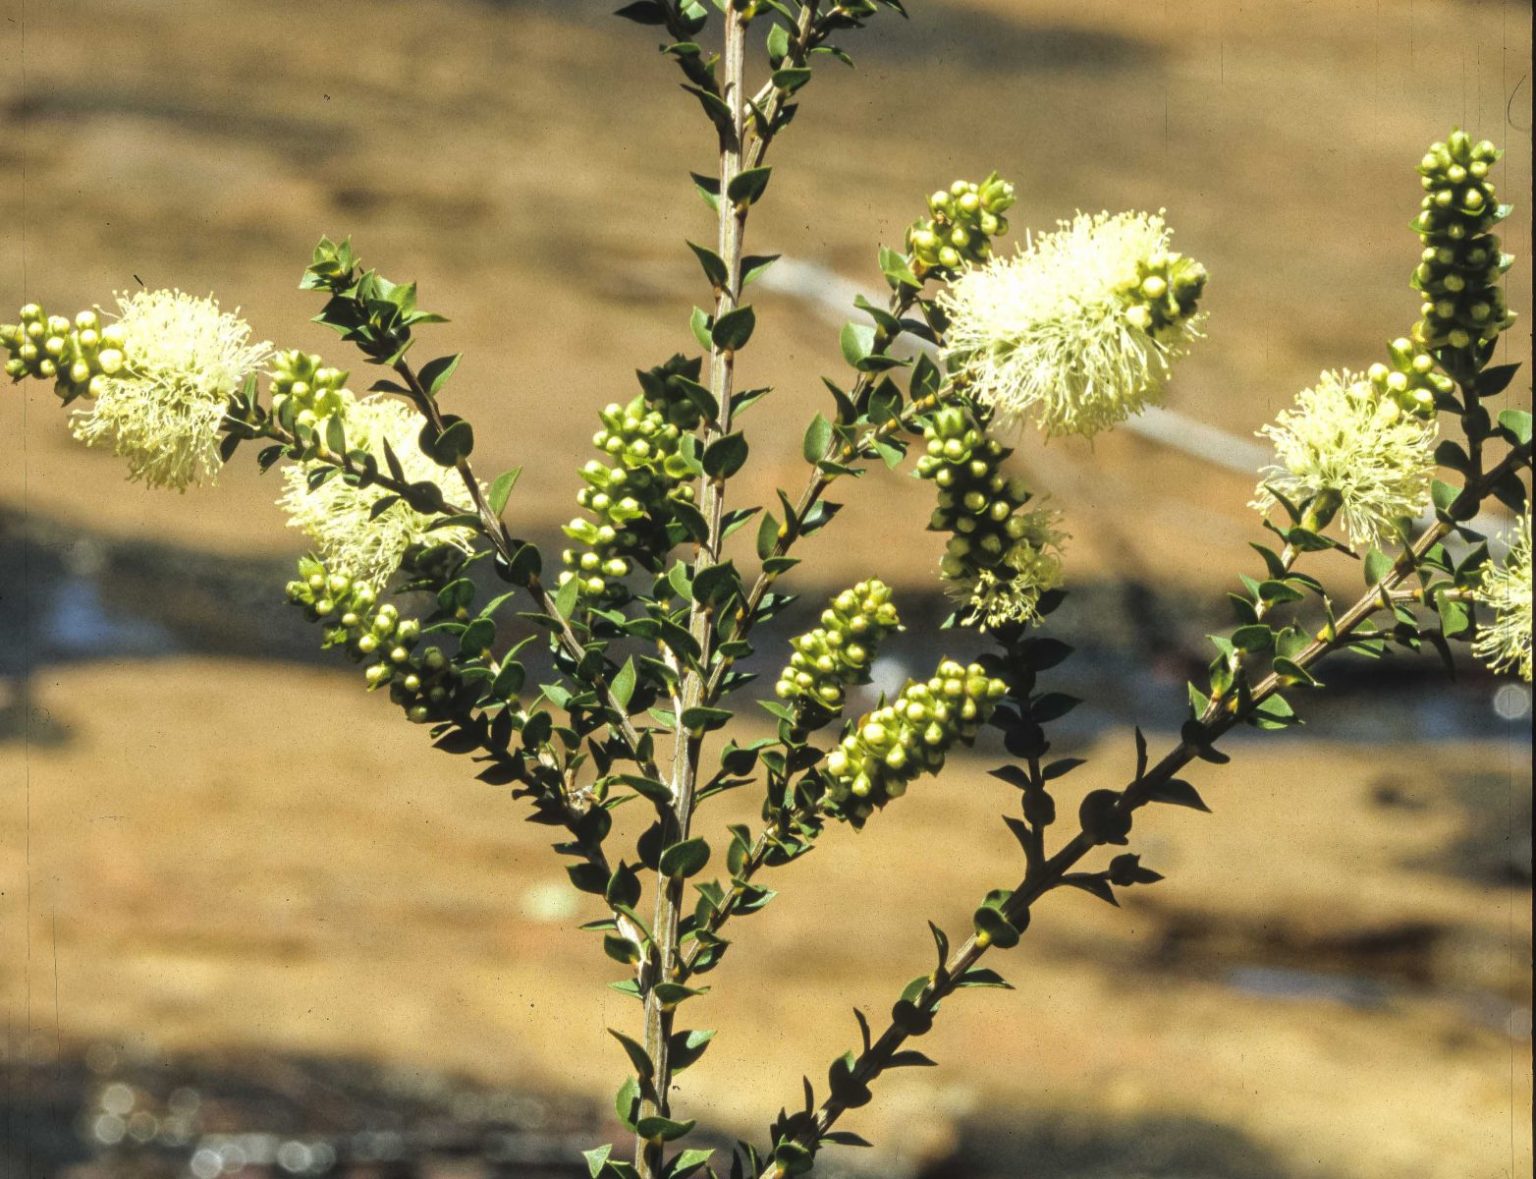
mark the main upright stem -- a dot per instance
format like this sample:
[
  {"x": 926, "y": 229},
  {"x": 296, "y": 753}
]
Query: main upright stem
[{"x": 650, "y": 1155}]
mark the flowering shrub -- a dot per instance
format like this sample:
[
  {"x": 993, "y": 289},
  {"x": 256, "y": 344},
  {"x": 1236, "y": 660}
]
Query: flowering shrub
[{"x": 649, "y": 621}]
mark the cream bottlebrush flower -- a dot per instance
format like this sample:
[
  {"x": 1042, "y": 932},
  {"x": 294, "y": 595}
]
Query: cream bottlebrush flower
[
  {"x": 1505, "y": 642},
  {"x": 339, "y": 518},
  {"x": 1344, "y": 438},
  {"x": 1079, "y": 327},
  {"x": 1010, "y": 590},
  {"x": 161, "y": 398}
]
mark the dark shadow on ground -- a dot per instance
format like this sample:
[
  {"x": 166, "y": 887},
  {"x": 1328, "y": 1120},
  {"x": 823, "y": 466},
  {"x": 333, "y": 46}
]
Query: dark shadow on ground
[{"x": 1134, "y": 1148}]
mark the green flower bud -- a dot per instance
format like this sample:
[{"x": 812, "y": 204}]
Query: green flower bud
[
  {"x": 1461, "y": 265},
  {"x": 884, "y": 751},
  {"x": 959, "y": 231},
  {"x": 647, "y": 471},
  {"x": 1000, "y": 557},
  {"x": 307, "y": 392},
  {"x": 826, "y": 660}
]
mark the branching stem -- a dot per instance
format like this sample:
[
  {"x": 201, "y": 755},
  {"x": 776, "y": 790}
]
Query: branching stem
[{"x": 1139, "y": 792}]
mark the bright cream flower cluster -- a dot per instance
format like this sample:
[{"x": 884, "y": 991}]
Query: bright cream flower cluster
[
  {"x": 1504, "y": 642},
  {"x": 1079, "y": 328},
  {"x": 161, "y": 403},
  {"x": 1347, "y": 442},
  {"x": 355, "y": 541}
]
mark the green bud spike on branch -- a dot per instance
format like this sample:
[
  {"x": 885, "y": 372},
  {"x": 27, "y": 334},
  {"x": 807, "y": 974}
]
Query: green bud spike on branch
[
  {"x": 75, "y": 354},
  {"x": 1000, "y": 558},
  {"x": 886, "y": 749},
  {"x": 1460, "y": 269},
  {"x": 633, "y": 497},
  {"x": 964, "y": 220},
  {"x": 839, "y": 653}
]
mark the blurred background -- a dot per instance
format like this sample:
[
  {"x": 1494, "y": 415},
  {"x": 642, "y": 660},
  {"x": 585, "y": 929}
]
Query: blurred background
[{"x": 251, "y": 923}]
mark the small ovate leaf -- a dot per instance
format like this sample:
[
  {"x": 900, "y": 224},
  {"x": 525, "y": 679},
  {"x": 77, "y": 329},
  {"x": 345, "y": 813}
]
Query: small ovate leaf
[
  {"x": 685, "y": 859},
  {"x": 817, "y": 440},
  {"x": 500, "y": 489},
  {"x": 753, "y": 266},
  {"x": 660, "y": 1129},
  {"x": 746, "y": 187},
  {"x": 732, "y": 330},
  {"x": 435, "y": 373},
  {"x": 1377, "y": 566},
  {"x": 638, "y": 1056},
  {"x": 1177, "y": 792},
  {"x": 858, "y": 342},
  {"x": 623, "y": 685},
  {"x": 725, "y": 455},
  {"x": 1518, "y": 423},
  {"x": 714, "y": 266},
  {"x": 996, "y": 928}
]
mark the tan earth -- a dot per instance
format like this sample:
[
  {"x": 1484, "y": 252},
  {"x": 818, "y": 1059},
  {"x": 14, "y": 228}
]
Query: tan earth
[
  {"x": 227, "y": 855},
  {"x": 211, "y": 859}
]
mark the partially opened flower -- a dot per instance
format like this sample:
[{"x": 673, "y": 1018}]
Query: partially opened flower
[
  {"x": 353, "y": 540},
  {"x": 1504, "y": 642},
  {"x": 1079, "y": 328},
  {"x": 161, "y": 394},
  {"x": 1008, "y": 590},
  {"x": 1348, "y": 443}
]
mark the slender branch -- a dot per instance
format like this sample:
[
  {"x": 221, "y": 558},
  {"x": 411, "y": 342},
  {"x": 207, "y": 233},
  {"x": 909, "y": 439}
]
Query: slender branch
[
  {"x": 650, "y": 1154},
  {"x": 1140, "y": 791},
  {"x": 494, "y": 529}
]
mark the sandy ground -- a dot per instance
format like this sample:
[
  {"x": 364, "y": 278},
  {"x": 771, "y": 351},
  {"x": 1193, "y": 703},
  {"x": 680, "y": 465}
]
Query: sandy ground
[{"x": 257, "y": 880}]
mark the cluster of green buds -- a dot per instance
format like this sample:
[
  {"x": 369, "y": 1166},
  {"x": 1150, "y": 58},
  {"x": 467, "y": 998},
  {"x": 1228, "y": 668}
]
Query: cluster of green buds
[
  {"x": 1411, "y": 379},
  {"x": 1001, "y": 556},
  {"x": 886, "y": 749},
  {"x": 307, "y": 392},
  {"x": 424, "y": 683},
  {"x": 838, "y": 653},
  {"x": 1462, "y": 263},
  {"x": 74, "y": 354},
  {"x": 965, "y": 218},
  {"x": 649, "y": 446},
  {"x": 1164, "y": 294}
]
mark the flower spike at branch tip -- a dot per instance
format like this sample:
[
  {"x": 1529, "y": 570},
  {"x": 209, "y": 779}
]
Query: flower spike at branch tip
[
  {"x": 1345, "y": 439},
  {"x": 158, "y": 380},
  {"x": 1504, "y": 642},
  {"x": 1078, "y": 329}
]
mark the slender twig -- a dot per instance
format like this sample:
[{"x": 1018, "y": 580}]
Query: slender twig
[
  {"x": 1140, "y": 791},
  {"x": 687, "y": 746},
  {"x": 494, "y": 529}
]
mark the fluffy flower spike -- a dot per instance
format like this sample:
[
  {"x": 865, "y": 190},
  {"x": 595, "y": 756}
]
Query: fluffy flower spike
[
  {"x": 1348, "y": 442},
  {"x": 1505, "y": 642},
  {"x": 1078, "y": 328},
  {"x": 160, "y": 398},
  {"x": 355, "y": 542}
]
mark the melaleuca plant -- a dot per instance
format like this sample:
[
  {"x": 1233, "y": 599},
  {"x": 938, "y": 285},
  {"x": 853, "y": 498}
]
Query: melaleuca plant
[{"x": 650, "y": 613}]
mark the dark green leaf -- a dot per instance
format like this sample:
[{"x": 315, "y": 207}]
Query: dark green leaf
[
  {"x": 817, "y": 440},
  {"x": 746, "y": 187},
  {"x": 500, "y": 489},
  {"x": 685, "y": 859},
  {"x": 733, "y": 329},
  {"x": 724, "y": 456},
  {"x": 435, "y": 373},
  {"x": 714, "y": 266}
]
